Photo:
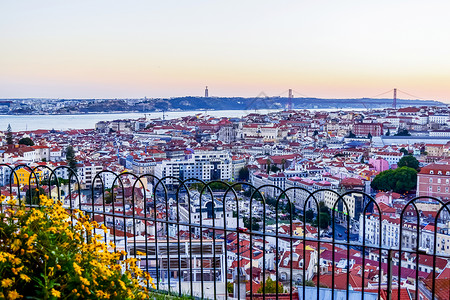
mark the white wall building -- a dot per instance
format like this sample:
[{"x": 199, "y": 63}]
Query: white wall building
[{"x": 203, "y": 165}]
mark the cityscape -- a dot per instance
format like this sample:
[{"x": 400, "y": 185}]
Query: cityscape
[
  {"x": 261, "y": 150},
  {"x": 302, "y": 152}
]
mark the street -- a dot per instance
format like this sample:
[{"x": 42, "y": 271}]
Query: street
[{"x": 340, "y": 233}]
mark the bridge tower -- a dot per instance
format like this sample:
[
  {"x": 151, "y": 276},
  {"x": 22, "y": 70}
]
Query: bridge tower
[{"x": 394, "y": 103}]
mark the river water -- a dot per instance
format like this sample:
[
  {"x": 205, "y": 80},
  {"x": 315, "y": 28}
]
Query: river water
[{"x": 87, "y": 121}]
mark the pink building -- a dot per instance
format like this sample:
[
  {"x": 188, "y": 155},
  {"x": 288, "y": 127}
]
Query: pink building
[
  {"x": 379, "y": 164},
  {"x": 363, "y": 129},
  {"x": 434, "y": 180},
  {"x": 386, "y": 197}
]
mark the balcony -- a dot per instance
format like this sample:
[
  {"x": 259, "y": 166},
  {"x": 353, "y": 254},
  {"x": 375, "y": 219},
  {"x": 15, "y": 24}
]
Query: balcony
[{"x": 268, "y": 258}]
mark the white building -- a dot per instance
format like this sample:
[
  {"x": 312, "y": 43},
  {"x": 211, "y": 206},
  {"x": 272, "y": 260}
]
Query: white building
[
  {"x": 203, "y": 165},
  {"x": 439, "y": 118}
]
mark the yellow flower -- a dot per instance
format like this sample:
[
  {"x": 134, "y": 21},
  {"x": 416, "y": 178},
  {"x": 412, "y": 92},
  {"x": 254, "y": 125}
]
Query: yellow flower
[
  {"x": 102, "y": 295},
  {"x": 96, "y": 257},
  {"x": 7, "y": 282},
  {"x": 122, "y": 285},
  {"x": 12, "y": 295},
  {"x": 25, "y": 277},
  {"x": 16, "y": 245},
  {"x": 84, "y": 281},
  {"x": 77, "y": 268},
  {"x": 16, "y": 261},
  {"x": 45, "y": 201},
  {"x": 56, "y": 293},
  {"x": 31, "y": 240}
]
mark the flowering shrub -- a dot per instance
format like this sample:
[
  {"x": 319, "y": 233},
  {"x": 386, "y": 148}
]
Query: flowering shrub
[{"x": 44, "y": 255}]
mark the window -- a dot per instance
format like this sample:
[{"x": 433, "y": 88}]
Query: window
[
  {"x": 438, "y": 188},
  {"x": 439, "y": 180},
  {"x": 431, "y": 172},
  {"x": 430, "y": 188},
  {"x": 431, "y": 180}
]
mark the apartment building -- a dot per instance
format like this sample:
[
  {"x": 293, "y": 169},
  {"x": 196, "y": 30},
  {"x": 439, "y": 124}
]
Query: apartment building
[
  {"x": 203, "y": 165},
  {"x": 363, "y": 129},
  {"x": 433, "y": 180}
]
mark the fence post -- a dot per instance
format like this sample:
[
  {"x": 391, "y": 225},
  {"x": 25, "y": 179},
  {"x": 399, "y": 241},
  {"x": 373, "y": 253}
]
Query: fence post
[
  {"x": 389, "y": 274},
  {"x": 239, "y": 283}
]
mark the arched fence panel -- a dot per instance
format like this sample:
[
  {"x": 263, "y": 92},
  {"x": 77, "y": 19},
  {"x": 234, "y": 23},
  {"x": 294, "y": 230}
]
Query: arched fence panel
[{"x": 221, "y": 240}]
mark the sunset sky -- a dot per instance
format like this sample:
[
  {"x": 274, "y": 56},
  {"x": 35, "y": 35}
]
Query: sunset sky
[{"x": 114, "y": 49}]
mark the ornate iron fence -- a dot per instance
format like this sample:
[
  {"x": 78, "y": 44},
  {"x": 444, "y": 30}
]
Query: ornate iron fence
[{"x": 227, "y": 240}]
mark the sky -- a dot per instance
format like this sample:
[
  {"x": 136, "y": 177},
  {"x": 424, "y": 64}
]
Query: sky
[{"x": 136, "y": 49}]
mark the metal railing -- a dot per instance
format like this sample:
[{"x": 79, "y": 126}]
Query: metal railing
[{"x": 200, "y": 238}]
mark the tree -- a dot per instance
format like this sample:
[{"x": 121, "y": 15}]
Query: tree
[
  {"x": 213, "y": 186},
  {"x": 255, "y": 224},
  {"x": 351, "y": 135},
  {"x": 403, "y": 132},
  {"x": 323, "y": 208},
  {"x": 26, "y": 141},
  {"x": 283, "y": 164},
  {"x": 405, "y": 179},
  {"x": 270, "y": 287},
  {"x": 388, "y": 133},
  {"x": 324, "y": 216},
  {"x": 308, "y": 283},
  {"x": 274, "y": 168},
  {"x": 70, "y": 158},
  {"x": 315, "y": 133},
  {"x": 309, "y": 215},
  {"x": 230, "y": 287},
  {"x": 400, "y": 180},
  {"x": 404, "y": 151},
  {"x": 108, "y": 197},
  {"x": 54, "y": 181},
  {"x": 244, "y": 174},
  {"x": 325, "y": 220},
  {"x": 268, "y": 165},
  {"x": 9, "y": 138},
  {"x": 408, "y": 161},
  {"x": 369, "y": 136}
]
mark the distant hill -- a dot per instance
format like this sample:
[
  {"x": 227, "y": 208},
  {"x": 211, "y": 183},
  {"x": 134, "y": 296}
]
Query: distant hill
[
  {"x": 238, "y": 103},
  {"x": 82, "y": 106}
]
